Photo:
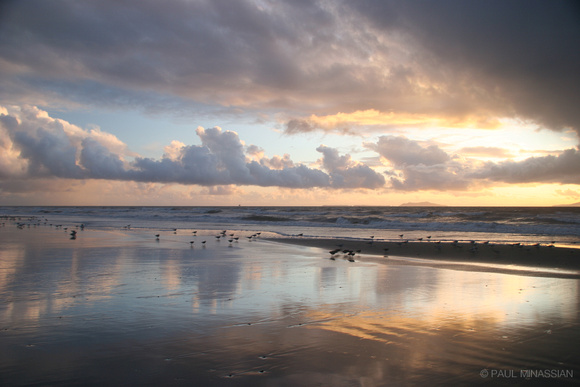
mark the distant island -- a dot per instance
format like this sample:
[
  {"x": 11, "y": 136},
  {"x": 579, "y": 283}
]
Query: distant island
[
  {"x": 569, "y": 205},
  {"x": 421, "y": 204}
]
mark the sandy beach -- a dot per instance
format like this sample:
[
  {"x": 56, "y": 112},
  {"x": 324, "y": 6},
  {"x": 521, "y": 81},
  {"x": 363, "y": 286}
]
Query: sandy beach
[{"x": 121, "y": 307}]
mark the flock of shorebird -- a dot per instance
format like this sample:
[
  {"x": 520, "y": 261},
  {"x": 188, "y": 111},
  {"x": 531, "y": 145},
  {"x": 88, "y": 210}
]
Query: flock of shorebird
[
  {"x": 340, "y": 251},
  {"x": 473, "y": 246},
  {"x": 231, "y": 237}
]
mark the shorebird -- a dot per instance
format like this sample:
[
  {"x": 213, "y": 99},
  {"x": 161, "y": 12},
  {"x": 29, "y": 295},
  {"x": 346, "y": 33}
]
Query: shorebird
[
  {"x": 350, "y": 255},
  {"x": 191, "y": 243},
  {"x": 157, "y": 236},
  {"x": 401, "y": 235}
]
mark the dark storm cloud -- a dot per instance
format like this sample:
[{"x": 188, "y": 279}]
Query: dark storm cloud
[
  {"x": 36, "y": 146},
  {"x": 210, "y": 51},
  {"x": 451, "y": 59},
  {"x": 522, "y": 54}
]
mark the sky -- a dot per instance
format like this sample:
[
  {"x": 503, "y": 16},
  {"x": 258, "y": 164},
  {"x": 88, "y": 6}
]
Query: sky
[{"x": 279, "y": 102}]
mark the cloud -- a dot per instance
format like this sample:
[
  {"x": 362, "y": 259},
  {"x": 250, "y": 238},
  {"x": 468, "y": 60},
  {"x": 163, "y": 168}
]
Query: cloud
[
  {"x": 562, "y": 169},
  {"x": 508, "y": 58},
  {"x": 346, "y": 173},
  {"x": 403, "y": 152},
  {"x": 416, "y": 167},
  {"x": 453, "y": 61},
  {"x": 221, "y": 190},
  {"x": 38, "y": 146}
]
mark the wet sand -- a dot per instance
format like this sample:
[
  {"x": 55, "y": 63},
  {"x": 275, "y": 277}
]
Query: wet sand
[
  {"x": 119, "y": 307},
  {"x": 503, "y": 258}
]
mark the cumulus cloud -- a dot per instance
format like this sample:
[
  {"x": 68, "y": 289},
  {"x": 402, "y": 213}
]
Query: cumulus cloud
[
  {"x": 37, "y": 146},
  {"x": 346, "y": 173},
  {"x": 563, "y": 169},
  {"x": 402, "y": 151},
  {"x": 416, "y": 167}
]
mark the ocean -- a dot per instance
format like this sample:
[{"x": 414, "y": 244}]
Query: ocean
[{"x": 551, "y": 225}]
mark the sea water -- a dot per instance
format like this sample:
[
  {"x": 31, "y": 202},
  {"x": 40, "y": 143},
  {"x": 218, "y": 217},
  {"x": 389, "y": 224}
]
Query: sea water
[{"x": 556, "y": 225}]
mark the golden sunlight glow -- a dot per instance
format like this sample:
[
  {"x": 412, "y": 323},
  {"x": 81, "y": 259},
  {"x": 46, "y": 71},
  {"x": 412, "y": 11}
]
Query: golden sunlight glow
[{"x": 372, "y": 117}]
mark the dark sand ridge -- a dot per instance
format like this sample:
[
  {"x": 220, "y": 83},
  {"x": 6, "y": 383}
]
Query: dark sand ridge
[{"x": 542, "y": 256}]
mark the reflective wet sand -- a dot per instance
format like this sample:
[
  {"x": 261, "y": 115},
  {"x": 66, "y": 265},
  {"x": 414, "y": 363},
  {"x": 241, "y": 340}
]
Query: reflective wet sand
[{"x": 122, "y": 308}]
